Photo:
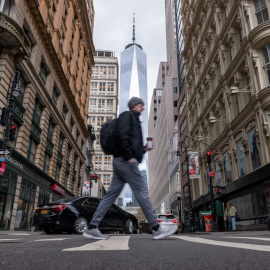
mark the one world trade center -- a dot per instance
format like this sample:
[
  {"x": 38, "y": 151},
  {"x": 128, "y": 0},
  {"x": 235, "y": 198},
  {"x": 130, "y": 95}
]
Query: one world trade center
[{"x": 133, "y": 78}]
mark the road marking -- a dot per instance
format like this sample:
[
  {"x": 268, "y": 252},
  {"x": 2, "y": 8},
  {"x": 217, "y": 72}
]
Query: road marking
[
  {"x": 251, "y": 238},
  {"x": 113, "y": 243},
  {"x": 19, "y": 234},
  {"x": 224, "y": 244},
  {"x": 53, "y": 239},
  {"x": 2, "y": 240}
]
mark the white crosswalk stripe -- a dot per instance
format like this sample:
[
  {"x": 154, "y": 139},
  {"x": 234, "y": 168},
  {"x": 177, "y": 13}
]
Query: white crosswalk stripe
[
  {"x": 5, "y": 240},
  {"x": 224, "y": 244},
  {"x": 53, "y": 239},
  {"x": 113, "y": 243},
  {"x": 249, "y": 238}
]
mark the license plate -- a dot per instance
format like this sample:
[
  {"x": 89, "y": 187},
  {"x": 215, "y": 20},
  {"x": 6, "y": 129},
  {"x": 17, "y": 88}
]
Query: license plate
[{"x": 44, "y": 211}]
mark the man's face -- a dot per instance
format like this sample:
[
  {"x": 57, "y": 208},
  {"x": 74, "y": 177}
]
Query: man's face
[{"x": 138, "y": 108}]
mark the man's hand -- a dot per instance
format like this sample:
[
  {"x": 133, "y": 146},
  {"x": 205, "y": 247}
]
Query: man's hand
[{"x": 145, "y": 148}]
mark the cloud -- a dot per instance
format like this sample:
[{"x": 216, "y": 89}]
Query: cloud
[{"x": 113, "y": 30}]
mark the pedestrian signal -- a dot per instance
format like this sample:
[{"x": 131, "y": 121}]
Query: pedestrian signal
[{"x": 209, "y": 159}]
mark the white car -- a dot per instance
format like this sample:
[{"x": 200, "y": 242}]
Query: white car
[{"x": 167, "y": 219}]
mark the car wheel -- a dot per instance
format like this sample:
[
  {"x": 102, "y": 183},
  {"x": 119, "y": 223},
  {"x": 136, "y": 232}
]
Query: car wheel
[
  {"x": 129, "y": 227},
  {"x": 49, "y": 231},
  {"x": 80, "y": 224}
]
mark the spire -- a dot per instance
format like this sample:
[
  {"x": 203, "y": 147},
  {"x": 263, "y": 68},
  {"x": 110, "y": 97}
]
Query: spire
[{"x": 133, "y": 39}]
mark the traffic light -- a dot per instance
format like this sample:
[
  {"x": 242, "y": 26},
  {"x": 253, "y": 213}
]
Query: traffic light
[
  {"x": 219, "y": 190},
  {"x": 209, "y": 159},
  {"x": 12, "y": 132}
]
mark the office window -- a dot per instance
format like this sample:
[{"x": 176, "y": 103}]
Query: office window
[
  {"x": 32, "y": 150},
  {"x": 102, "y": 87},
  {"x": 57, "y": 172},
  {"x": 100, "y": 120},
  {"x": 109, "y": 103},
  {"x": 111, "y": 71},
  {"x": 47, "y": 163},
  {"x": 98, "y": 159},
  {"x": 93, "y": 102},
  {"x": 101, "y": 103},
  {"x": 175, "y": 89},
  {"x": 43, "y": 74},
  {"x": 266, "y": 58},
  {"x": 5, "y": 6},
  {"x": 55, "y": 95},
  {"x": 110, "y": 87},
  {"x": 37, "y": 113},
  {"x": 261, "y": 11},
  {"x": 175, "y": 103},
  {"x": 50, "y": 129}
]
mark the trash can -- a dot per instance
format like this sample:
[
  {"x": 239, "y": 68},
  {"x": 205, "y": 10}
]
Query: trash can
[{"x": 208, "y": 222}]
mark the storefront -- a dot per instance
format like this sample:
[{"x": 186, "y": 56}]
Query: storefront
[
  {"x": 22, "y": 187},
  {"x": 250, "y": 195}
]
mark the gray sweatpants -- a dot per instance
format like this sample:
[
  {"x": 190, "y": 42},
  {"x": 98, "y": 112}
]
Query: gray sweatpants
[{"x": 125, "y": 172}]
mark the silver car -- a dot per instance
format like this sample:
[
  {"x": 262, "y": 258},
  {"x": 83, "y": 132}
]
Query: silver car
[{"x": 167, "y": 219}]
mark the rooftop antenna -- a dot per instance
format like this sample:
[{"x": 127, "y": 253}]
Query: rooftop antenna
[{"x": 133, "y": 39}]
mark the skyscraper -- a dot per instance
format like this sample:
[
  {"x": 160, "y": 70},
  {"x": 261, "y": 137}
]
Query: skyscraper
[{"x": 133, "y": 77}]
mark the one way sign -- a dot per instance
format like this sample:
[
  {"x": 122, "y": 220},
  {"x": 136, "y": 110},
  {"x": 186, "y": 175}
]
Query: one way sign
[{"x": 5, "y": 152}]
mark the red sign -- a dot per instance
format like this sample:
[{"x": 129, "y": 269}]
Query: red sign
[
  {"x": 58, "y": 189},
  {"x": 212, "y": 173}
]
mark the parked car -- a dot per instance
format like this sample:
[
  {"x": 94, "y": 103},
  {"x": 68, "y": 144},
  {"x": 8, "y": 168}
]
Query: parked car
[
  {"x": 167, "y": 219},
  {"x": 74, "y": 214}
]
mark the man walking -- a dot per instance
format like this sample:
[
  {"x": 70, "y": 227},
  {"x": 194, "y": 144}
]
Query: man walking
[
  {"x": 128, "y": 154},
  {"x": 230, "y": 214}
]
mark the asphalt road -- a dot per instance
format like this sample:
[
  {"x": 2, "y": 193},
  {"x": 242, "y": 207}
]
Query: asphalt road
[{"x": 38, "y": 251}]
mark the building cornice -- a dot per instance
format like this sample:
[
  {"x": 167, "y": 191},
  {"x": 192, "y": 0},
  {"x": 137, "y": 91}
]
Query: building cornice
[{"x": 33, "y": 6}]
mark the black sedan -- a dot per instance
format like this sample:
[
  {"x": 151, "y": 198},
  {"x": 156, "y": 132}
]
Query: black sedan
[{"x": 74, "y": 214}]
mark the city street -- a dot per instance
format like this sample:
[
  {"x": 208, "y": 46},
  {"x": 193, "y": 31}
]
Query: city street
[{"x": 239, "y": 250}]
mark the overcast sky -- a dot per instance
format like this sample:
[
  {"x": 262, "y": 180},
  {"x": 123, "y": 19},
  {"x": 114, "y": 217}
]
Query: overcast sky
[{"x": 113, "y": 30}]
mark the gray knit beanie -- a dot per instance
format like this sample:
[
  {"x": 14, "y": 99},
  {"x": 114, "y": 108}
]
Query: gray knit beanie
[{"x": 134, "y": 101}]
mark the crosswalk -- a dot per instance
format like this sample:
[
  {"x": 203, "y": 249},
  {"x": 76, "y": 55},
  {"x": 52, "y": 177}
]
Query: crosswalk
[
  {"x": 118, "y": 243},
  {"x": 225, "y": 244}
]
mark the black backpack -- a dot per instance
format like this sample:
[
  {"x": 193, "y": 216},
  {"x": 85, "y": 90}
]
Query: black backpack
[{"x": 108, "y": 136}]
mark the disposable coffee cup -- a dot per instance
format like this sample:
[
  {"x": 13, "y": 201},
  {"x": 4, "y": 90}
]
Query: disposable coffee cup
[{"x": 149, "y": 143}]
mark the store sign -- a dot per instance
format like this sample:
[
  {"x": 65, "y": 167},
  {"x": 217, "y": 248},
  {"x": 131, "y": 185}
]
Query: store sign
[
  {"x": 14, "y": 162},
  {"x": 58, "y": 189},
  {"x": 212, "y": 173}
]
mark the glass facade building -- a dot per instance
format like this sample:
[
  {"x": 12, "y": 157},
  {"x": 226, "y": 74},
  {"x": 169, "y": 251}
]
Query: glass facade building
[{"x": 133, "y": 79}]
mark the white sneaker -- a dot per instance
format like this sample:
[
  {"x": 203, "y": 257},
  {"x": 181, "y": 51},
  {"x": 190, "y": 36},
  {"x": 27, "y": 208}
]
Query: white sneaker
[
  {"x": 95, "y": 234},
  {"x": 164, "y": 231}
]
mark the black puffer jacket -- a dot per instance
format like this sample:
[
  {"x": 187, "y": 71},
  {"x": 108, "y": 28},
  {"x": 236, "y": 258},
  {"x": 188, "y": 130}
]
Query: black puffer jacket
[{"x": 130, "y": 139}]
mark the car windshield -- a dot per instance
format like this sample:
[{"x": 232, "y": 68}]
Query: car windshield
[
  {"x": 165, "y": 217},
  {"x": 66, "y": 200}
]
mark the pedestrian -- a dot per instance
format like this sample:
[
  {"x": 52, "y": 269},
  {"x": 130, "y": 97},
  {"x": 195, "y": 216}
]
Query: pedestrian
[
  {"x": 230, "y": 214},
  {"x": 127, "y": 156}
]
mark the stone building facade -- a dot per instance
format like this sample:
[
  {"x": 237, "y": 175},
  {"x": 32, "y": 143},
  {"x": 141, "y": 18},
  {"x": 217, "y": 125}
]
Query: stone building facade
[
  {"x": 227, "y": 52},
  {"x": 102, "y": 108},
  {"x": 50, "y": 44}
]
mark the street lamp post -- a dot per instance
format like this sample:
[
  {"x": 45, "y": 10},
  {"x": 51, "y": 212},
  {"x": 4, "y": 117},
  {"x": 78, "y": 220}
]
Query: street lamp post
[
  {"x": 7, "y": 111},
  {"x": 191, "y": 224}
]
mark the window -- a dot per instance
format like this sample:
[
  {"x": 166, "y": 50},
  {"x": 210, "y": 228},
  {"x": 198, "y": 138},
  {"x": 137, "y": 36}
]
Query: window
[
  {"x": 109, "y": 103},
  {"x": 50, "y": 130},
  {"x": 261, "y": 11},
  {"x": 100, "y": 120},
  {"x": 93, "y": 102},
  {"x": 55, "y": 95},
  {"x": 155, "y": 109},
  {"x": 61, "y": 142},
  {"x": 98, "y": 159},
  {"x": 37, "y": 113},
  {"x": 155, "y": 101},
  {"x": 175, "y": 103},
  {"x": 95, "y": 71},
  {"x": 47, "y": 163},
  {"x": 102, "y": 87},
  {"x": 111, "y": 71},
  {"x": 43, "y": 74},
  {"x": 32, "y": 150},
  {"x": 71, "y": 124},
  {"x": 241, "y": 158},
  {"x": 92, "y": 120},
  {"x": 107, "y": 160},
  {"x": 266, "y": 56},
  {"x": 22, "y": 89},
  {"x": 175, "y": 89},
  {"x": 103, "y": 71},
  {"x": 101, "y": 103},
  {"x": 5, "y": 6},
  {"x": 111, "y": 87},
  {"x": 254, "y": 149},
  {"x": 97, "y": 139},
  {"x": 64, "y": 111}
]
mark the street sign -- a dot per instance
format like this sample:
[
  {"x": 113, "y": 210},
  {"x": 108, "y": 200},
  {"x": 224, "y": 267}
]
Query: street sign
[
  {"x": 5, "y": 152},
  {"x": 212, "y": 173}
]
